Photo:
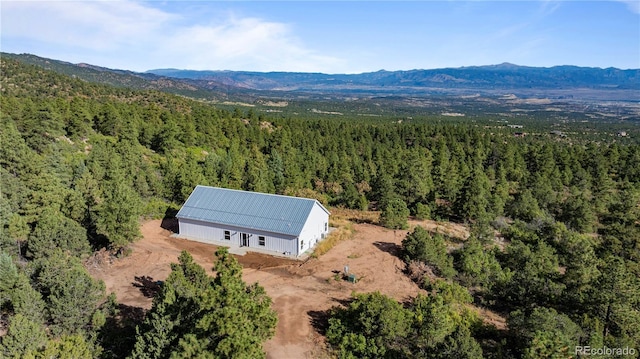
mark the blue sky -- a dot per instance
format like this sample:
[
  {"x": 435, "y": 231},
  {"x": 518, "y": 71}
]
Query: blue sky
[{"x": 327, "y": 36}]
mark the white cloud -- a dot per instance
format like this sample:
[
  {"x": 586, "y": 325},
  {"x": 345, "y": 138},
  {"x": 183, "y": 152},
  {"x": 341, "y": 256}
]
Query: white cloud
[
  {"x": 241, "y": 43},
  {"x": 95, "y": 25},
  {"x": 134, "y": 35},
  {"x": 548, "y": 7},
  {"x": 633, "y": 5}
]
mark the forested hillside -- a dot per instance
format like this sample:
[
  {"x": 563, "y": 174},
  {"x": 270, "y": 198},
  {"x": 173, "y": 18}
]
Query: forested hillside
[
  {"x": 121, "y": 78},
  {"x": 81, "y": 163}
]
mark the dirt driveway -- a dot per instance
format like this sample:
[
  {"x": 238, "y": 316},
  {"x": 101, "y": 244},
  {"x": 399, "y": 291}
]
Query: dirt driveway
[{"x": 300, "y": 291}]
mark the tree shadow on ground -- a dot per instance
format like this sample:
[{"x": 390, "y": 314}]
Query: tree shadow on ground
[
  {"x": 131, "y": 313},
  {"x": 117, "y": 336},
  {"x": 391, "y": 248},
  {"x": 363, "y": 220},
  {"x": 147, "y": 285},
  {"x": 320, "y": 318}
]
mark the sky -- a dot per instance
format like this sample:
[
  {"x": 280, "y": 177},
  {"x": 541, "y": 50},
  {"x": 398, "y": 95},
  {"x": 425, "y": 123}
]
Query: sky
[{"x": 324, "y": 36}]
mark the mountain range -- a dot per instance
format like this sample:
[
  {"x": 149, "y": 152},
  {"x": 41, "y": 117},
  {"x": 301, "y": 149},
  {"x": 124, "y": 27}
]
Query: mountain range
[
  {"x": 609, "y": 83},
  {"x": 503, "y": 76}
]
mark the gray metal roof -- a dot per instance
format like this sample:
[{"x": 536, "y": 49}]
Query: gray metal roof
[{"x": 261, "y": 211}]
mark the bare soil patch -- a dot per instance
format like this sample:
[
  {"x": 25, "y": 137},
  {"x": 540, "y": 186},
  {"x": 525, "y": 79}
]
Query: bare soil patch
[{"x": 299, "y": 290}]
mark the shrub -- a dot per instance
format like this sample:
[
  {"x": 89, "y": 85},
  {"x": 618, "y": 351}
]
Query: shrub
[
  {"x": 421, "y": 246},
  {"x": 423, "y": 211},
  {"x": 394, "y": 214}
]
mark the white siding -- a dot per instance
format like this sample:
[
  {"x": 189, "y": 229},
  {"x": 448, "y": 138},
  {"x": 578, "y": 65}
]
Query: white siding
[
  {"x": 314, "y": 228},
  {"x": 214, "y": 234}
]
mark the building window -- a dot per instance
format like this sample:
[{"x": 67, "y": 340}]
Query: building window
[
  {"x": 227, "y": 235},
  {"x": 301, "y": 244},
  {"x": 261, "y": 240},
  {"x": 326, "y": 226}
]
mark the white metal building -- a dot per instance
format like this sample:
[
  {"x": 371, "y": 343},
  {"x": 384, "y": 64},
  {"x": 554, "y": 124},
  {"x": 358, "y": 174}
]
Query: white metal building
[{"x": 283, "y": 225}]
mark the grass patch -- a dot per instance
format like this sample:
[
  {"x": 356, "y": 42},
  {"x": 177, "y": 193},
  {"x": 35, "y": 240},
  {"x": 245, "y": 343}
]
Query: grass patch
[
  {"x": 343, "y": 231},
  {"x": 355, "y": 215}
]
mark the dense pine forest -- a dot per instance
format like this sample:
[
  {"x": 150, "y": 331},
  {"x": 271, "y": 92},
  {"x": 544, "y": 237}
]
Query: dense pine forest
[{"x": 554, "y": 246}]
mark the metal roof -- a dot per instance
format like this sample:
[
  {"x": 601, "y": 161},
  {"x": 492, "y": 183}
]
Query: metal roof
[{"x": 254, "y": 210}]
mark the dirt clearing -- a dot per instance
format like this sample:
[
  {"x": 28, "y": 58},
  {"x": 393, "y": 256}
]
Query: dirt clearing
[{"x": 299, "y": 290}]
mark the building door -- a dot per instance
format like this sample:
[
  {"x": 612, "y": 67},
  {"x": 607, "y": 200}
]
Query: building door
[{"x": 244, "y": 240}]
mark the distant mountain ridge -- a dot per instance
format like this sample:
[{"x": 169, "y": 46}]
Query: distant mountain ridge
[
  {"x": 246, "y": 86},
  {"x": 502, "y": 76}
]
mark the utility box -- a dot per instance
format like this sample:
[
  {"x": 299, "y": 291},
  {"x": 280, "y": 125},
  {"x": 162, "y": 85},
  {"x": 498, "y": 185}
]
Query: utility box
[{"x": 352, "y": 278}]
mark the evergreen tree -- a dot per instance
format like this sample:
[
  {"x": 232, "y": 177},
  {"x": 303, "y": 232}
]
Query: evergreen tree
[
  {"x": 582, "y": 268},
  {"x": 433, "y": 322},
  {"x": 232, "y": 166},
  {"x": 22, "y": 337},
  {"x": 414, "y": 181},
  {"x": 525, "y": 207},
  {"x": 500, "y": 195},
  {"x": 544, "y": 333},
  {"x": 17, "y": 296},
  {"x": 18, "y": 229},
  {"x": 394, "y": 214},
  {"x": 616, "y": 299},
  {"x": 53, "y": 230},
  {"x": 421, "y": 246},
  {"x": 117, "y": 215},
  {"x": 167, "y": 138},
  {"x": 423, "y": 211},
  {"x": 67, "y": 347},
  {"x": 350, "y": 197},
  {"x": 621, "y": 226},
  {"x": 534, "y": 277},
  {"x": 198, "y": 316},
  {"x": 376, "y": 326},
  {"x": 256, "y": 173},
  {"x": 8, "y": 278},
  {"x": 70, "y": 294},
  {"x": 383, "y": 189},
  {"x": 478, "y": 266},
  {"x": 108, "y": 121},
  {"x": 473, "y": 202},
  {"x": 372, "y": 326},
  {"x": 182, "y": 175},
  {"x": 276, "y": 169},
  {"x": 460, "y": 344}
]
